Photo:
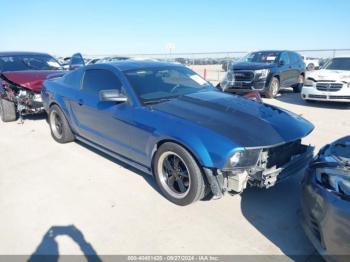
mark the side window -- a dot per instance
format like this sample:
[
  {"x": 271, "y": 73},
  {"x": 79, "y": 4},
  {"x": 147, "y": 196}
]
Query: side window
[
  {"x": 294, "y": 58},
  {"x": 96, "y": 80},
  {"x": 285, "y": 58}
]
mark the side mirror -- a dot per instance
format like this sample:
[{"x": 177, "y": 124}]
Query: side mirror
[
  {"x": 113, "y": 95},
  {"x": 281, "y": 63}
]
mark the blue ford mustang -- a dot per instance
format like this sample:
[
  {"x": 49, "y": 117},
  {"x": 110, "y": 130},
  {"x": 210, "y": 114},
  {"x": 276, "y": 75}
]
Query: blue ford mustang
[{"x": 166, "y": 120}]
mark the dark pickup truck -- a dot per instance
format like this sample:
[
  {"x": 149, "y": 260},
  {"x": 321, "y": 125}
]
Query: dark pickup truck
[{"x": 266, "y": 72}]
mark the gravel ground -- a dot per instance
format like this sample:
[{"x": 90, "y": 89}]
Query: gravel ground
[{"x": 73, "y": 198}]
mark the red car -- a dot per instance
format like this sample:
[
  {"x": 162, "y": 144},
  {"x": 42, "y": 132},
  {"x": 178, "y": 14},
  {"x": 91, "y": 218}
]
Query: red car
[{"x": 21, "y": 77}]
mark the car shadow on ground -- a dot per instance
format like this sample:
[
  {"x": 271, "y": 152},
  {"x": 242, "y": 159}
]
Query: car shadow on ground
[
  {"x": 275, "y": 213},
  {"x": 48, "y": 249},
  {"x": 148, "y": 178},
  {"x": 287, "y": 96}
]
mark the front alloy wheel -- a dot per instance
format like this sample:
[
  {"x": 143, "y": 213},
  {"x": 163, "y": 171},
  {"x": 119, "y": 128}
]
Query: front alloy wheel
[
  {"x": 178, "y": 175},
  {"x": 175, "y": 177},
  {"x": 273, "y": 88}
]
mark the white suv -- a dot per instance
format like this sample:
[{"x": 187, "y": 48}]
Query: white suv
[{"x": 331, "y": 83}]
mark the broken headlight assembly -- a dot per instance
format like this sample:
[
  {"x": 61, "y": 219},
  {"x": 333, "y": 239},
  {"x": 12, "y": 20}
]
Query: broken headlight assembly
[
  {"x": 332, "y": 167},
  {"x": 334, "y": 179},
  {"x": 243, "y": 159}
]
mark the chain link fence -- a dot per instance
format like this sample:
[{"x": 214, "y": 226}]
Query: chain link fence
[{"x": 212, "y": 65}]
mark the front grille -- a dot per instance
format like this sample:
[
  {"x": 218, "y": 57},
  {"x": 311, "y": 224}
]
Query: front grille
[
  {"x": 339, "y": 97},
  {"x": 326, "y": 81},
  {"x": 241, "y": 75},
  {"x": 318, "y": 96},
  {"x": 331, "y": 87},
  {"x": 281, "y": 155}
]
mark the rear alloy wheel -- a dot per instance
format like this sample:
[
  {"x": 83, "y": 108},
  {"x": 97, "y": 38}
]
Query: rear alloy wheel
[
  {"x": 178, "y": 175},
  {"x": 298, "y": 87},
  {"x": 310, "y": 67},
  {"x": 60, "y": 129},
  {"x": 7, "y": 111},
  {"x": 273, "y": 88}
]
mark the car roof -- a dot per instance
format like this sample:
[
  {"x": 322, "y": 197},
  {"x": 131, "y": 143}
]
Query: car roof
[
  {"x": 277, "y": 51},
  {"x": 14, "y": 53},
  {"x": 137, "y": 64}
]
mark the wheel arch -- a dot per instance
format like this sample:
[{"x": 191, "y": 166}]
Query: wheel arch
[
  {"x": 198, "y": 157},
  {"x": 64, "y": 111}
]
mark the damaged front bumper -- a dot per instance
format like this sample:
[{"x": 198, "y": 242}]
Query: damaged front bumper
[
  {"x": 262, "y": 175},
  {"x": 26, "y": 101}
]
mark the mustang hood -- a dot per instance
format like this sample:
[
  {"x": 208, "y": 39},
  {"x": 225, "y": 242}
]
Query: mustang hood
[
  {"x": 32, "y": 80},
  {"x": 330, "y": 75},
  {"x": 250, "y": 66},
  {"x": 244, "y": 122}
]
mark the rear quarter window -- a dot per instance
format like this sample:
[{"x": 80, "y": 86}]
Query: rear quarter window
[{"x": 295, "y": 58}]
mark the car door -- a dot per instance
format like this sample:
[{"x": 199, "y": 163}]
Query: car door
[
  {"x": 104, "y": 123},
  {"x": 285, "y": 69}
]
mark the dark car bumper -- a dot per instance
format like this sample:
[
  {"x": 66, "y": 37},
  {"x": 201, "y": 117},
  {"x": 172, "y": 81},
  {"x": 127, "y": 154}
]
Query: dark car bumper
[
  {"x": 247, "y": 86},
  {"x": 326, "y": 220}
]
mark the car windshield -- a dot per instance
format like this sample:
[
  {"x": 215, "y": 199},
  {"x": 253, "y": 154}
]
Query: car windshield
[
  {"x": 161, "y": 84},
  {"x": 338, "y": 64},
  {"x": 261, "y": 57},
  {"x": 28, "y": 62}
]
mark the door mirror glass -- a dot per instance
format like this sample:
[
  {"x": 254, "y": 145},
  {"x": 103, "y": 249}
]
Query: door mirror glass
[
  {"x": 113, "y": 95},
  {"x": 282, "y": 63},
  {"x": 76, "y": 61}
]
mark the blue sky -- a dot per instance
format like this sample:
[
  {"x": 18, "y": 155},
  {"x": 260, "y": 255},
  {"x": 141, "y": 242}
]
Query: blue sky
[{"x": 145, "y": 26}]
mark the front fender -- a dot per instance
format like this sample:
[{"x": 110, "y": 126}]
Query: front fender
[{"x": 209, "y": 149}]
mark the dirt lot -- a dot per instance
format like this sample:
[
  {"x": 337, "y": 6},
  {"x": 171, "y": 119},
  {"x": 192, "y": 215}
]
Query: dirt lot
[{"x": 69, "y": 190}]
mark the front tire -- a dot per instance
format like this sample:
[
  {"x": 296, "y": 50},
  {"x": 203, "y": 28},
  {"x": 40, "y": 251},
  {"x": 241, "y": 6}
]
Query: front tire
[
  {"x": 273, "y": 88},
  {"x": 60, "y": 129},
  {"x": 7, "y": 111},
  {"x": 178, "y": 175}
]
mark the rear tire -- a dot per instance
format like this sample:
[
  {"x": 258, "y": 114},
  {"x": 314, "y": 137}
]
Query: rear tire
[
  {"x": 7, "y": 111},
  {"x": 60, "y": 129},
  {"x": 298, "y": 87},
  {"x": 310, "y": 67},
  {"x": 178, "y": 175},
  {"x": 273, "y": 88}
]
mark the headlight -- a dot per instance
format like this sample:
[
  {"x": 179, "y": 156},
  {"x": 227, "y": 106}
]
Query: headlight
[
  {"x": 334, "y": 179},
  {"x": 309, "y": 82},
  {"x": 228, "y": 80},
  {"x": 243, "y": 159},
  {"x": 263, "y": 73},
  {"x": 230, "y": 76}
]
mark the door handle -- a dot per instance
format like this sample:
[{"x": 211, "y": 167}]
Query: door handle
[{"x": 80, "y": 102}]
